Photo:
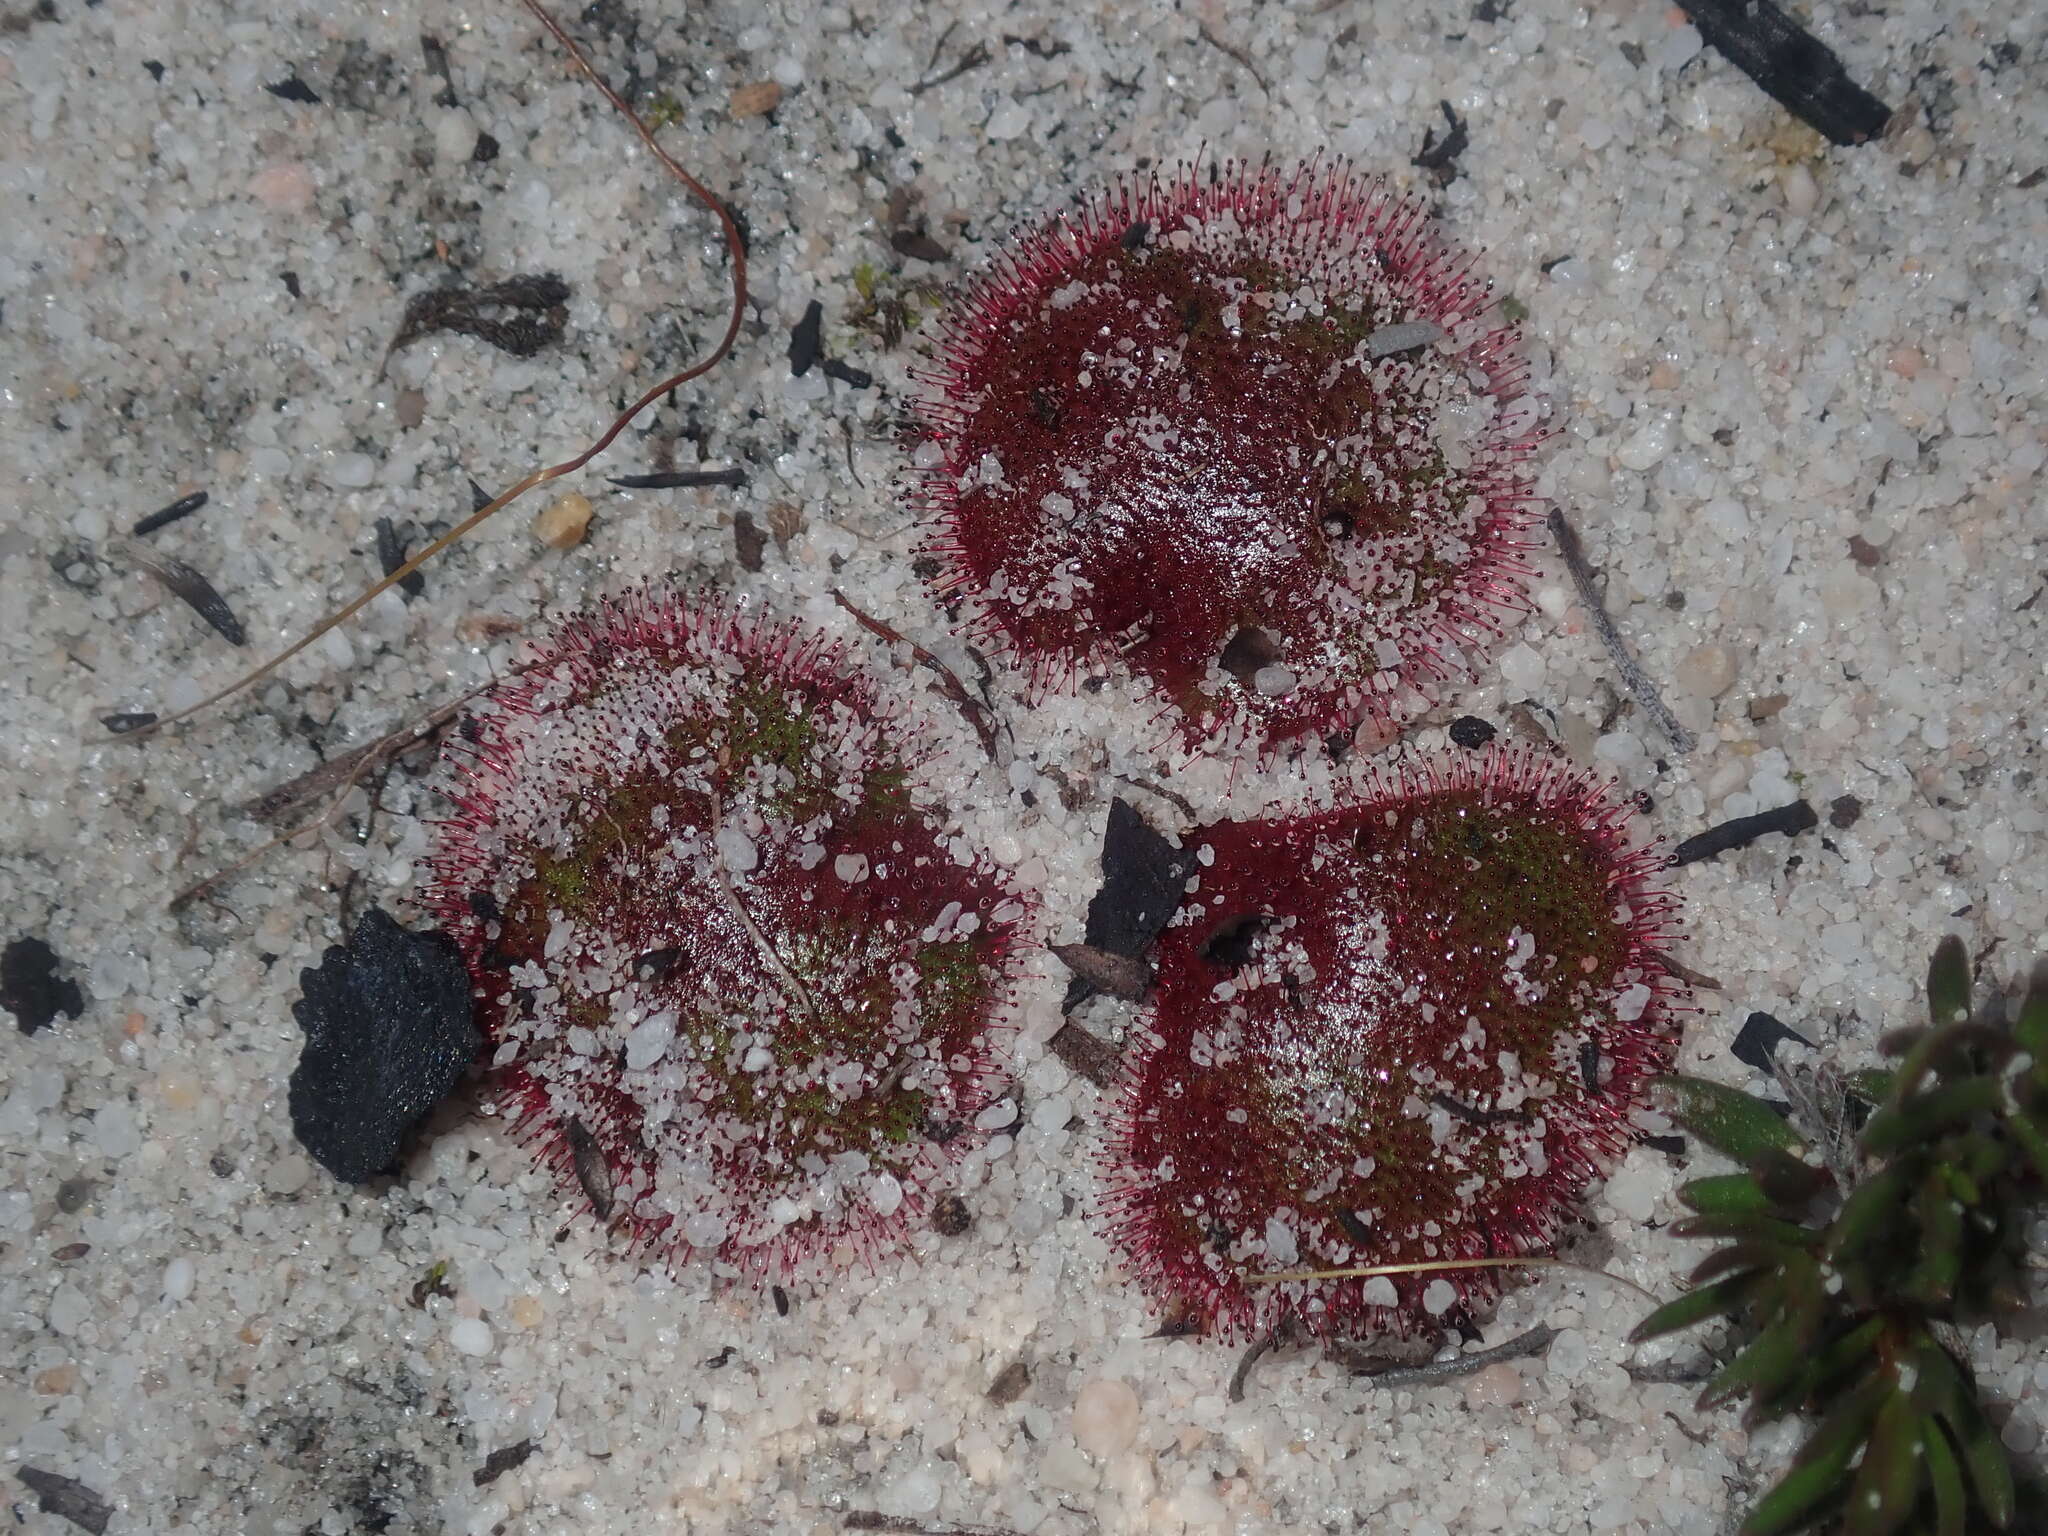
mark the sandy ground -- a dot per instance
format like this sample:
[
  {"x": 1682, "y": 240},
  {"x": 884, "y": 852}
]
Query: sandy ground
[{"x": 1801, "y": 395}]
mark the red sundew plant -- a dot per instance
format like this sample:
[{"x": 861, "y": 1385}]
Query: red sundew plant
[
  {"x": 740, "y": 989},
  {"x": 1249, "y": 436},
  {"x": 1410, "y": 1029}
]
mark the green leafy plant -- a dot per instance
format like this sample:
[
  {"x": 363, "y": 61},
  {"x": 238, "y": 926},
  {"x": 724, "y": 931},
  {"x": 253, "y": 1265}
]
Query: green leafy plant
[{"x": 1848, "y": 1263}]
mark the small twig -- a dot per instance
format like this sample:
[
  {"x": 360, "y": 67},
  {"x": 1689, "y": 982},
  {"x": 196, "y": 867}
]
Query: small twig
[
  {"x": 746, "y": 920},
  {"x": 1521, "y": 1347},
  {"x": 1685, "y": 973},
  {"x": 975, "y": 713},
  {"x": 875, "y": 1520},
  {"x": 973, "y": 58},
  {"x": 1672, "y": 1373},
  {"x": 342, "y": 774},
  {"x": 1235, "y": 53},
  {"x": 1173, "y": 795},
  {"x": 1632, "y": 675},
  {"x": 1434, "y": 1266},
  {"x": 1261, "y": 1346},
  {"x": 1473, "y": 1115}
]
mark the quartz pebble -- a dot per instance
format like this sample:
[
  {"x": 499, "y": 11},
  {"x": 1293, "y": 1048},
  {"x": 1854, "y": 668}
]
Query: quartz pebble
[
  {"x": 471, "y": 1336},
  {"x": 1498, "y": 1386},
  {"x": 1105, "y": 1417},
  {"x": 1707, "y": 670},
  {"x": 562, "y": 524}
]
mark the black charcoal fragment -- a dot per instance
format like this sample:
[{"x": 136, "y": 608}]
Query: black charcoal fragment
[
  {"x": 847, "y": 374},
  {"x": 1471, "y": 732},
  {"x": 919, "y": 246},
  {"x": 805, "y": 345},
  {"x": 292, "y": 88},
  {"x": 1792, "y": 66},
  {"x": 30, "y": 987},
  {"x": 1760, "y": 1037},
  {"x": 1439, "y": 157},
  {"x": 1143, "y": 879},
  {"x": 388, "y": 1032},
  {"x": 391, "y": 556},
  {"x": 501, "y": 1461},
  {"x": 67, "y": 1498}
]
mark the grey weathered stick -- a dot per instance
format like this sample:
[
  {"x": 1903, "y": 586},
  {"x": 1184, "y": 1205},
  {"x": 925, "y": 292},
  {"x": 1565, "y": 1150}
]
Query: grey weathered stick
[
  {"x": 1632, "y": 674},
  {"x": 1520, "y": 1347}
]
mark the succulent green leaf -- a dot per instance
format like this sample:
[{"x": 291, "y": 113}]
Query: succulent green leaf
[
  {"x": 1748, "y": 1228},
  {"x": 1749, "y": 1257},
  {"x": 1984, "y": 1457},
  {"x": 1727, "y": 1194},
  {"x": 1790, "y": 1182},
  {"x": 1868, "y": 1212},
  {"x": 2030, "y": 1028},
  {"x": 1728, "y": 1120},
  {"x": 1821, "y": 1468},
  {"x": 1873, "y": 1085},
  {"x": 1945, "y": 1479},
  {"x": 1922, "y": 1117},
  {"x": 1773, "y": 1358},
  {"x": 1932, "y": 1279},
  {"x": 1887, "y": 1485},
  {"x": 1948, "y": 982},
  {"x": 1849, "y": 1354},
  {"x": 1695, "y": 1306},
  {"x": 2032, "y": 1136}
]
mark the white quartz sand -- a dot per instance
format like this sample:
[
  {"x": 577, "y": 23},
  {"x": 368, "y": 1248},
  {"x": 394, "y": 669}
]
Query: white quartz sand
[{"x": 1801, "y": 392}]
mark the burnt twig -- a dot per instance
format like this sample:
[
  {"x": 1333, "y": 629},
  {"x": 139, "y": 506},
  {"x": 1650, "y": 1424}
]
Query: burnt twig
[
  {"x": 1124, "y": 976},
  {"x": 1744, "y": 830},
  {"x": 1087, "y": 1054},
  {"x": 1792, "y": 66},
  {"x": 681, "y": 479},
  {"x": 184, "y": 506}
]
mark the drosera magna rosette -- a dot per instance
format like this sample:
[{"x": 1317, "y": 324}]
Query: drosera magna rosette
[
  {"x": 1409, "y": 1029},
  {"x": 740, "y": 987},
  {"x": 1257, "y": 437}
]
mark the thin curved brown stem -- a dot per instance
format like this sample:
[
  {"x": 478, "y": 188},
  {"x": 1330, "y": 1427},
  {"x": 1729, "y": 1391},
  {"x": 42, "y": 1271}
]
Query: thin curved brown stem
[{"x": 735, "y": 247}]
